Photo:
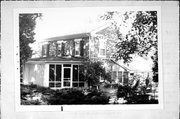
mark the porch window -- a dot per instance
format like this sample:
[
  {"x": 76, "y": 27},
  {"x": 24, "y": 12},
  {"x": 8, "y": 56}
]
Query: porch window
[
  {"x": 78, "y": 79},
  {"x": 54, "y": 76},
  {"x": 120, "y": 76},
  {"x": 65, "y": 75},
  {"x": 125, "y": 77},
  {"x": 114, "y": 75}
]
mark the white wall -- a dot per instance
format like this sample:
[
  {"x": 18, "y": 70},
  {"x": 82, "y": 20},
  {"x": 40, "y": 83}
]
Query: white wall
[{"x": 34, "y": 73}]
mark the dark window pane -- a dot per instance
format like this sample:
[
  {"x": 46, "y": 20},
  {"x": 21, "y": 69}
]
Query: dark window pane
[
  {"x": 66, "y": 84},
  {"x": 114, "y": 75},
  {"x": 125, "y": 76},
  {"x": 120, "y": 76},
  {"x": 58, "y": 72},
  {"x": 67, "y": 65},
  {"x": 75, "y": 84},
  {"x": 58, "y": 84},
  {"x": 51, "y": 72},
  {"x": 67, "y": 72},
  {"x": 81, "y": 84},
  {"x": 81, "y": 76},
  {"x": 66, "y": 79},
  {"x": 75, "y": 72},
  {"x": 51, "y": 85},
  {"x": 81, "y": 48}
]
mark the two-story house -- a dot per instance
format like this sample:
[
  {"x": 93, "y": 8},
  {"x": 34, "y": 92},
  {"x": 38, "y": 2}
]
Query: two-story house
[{"x": 61, "y": 58}]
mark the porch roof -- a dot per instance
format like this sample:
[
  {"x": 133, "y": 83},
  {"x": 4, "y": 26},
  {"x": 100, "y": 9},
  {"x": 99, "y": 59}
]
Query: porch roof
[
  {"x": 56, "y": 59},
  {"x": 115, "y": 63}
]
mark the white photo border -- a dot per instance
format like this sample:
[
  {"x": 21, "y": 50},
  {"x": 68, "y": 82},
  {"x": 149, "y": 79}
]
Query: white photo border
[{"x": 22, "y": 108}]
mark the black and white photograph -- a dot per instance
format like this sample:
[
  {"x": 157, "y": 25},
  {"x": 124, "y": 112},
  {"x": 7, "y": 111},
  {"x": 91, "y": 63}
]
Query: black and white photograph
[
  {"x": 89, "y": 59},
  {"x": 89, "y": 56}
]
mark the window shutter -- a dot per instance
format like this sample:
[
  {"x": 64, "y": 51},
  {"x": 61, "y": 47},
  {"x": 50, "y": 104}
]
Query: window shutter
[
  {"x": 73, "y": 48},
  {"x": 43, "y": 51},
  {"x": 63, "y": 49},
  {"x": 47, "y": 51}
]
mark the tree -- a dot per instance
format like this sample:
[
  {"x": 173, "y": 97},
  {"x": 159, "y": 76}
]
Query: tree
[
  {"x": 27, "y": 23},
  {"x": 140, "y": 40},
  {"x": 155, "y": 67},
  {"x": 92, "y": 71}
]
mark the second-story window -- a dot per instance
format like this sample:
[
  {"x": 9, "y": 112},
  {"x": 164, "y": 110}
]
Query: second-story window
[
  {"x": 44, "y": 50},
  {"x": 77, "y": 47},
  {"x": 102, "y": 47},
  {"x": 52, "y": 49},
  {"x": 59, "y": 48}
]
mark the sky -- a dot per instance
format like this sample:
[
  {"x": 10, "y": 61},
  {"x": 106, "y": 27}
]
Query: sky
[{"x": 74, "y": 20}]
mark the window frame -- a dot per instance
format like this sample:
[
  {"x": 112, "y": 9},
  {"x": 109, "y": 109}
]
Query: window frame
[
  {"x": 78, "y": 82},
  {"x": 55, "y": 81}
]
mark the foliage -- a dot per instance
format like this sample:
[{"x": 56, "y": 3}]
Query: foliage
[
  {"x": 29, "y": 92},
  {"x": 134, "y": 95},
  {"x": 142, "y": 36},
  {"x": 92, "y": 70},
  {"x": 36, "y": 95},
  {"x": 74, "y": 96},
  {"x": 155, "y": 67},
  {"x": 27, "y": 23}
]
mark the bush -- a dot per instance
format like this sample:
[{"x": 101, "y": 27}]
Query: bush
[
  {"x": 95, "y": 97},
  {"x": 74, "y": 96},
  {"x": 36, "y": 95},
  {"x": 66, "y": 96},
  {"x": 133, "y": 95}
]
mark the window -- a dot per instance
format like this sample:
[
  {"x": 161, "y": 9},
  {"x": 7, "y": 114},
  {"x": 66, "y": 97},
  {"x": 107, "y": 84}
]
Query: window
[
  {"x": 59, "y": 48},
  {"x": 54, "y": 76},
  {"x": 78, "y": 79},
  {"x": 125, "y": 77},
  {"x": 120, "y": 76},
  {"x": 77, "y": 47},
  {"x": 71, "y": 76},
  {"x": 52, "y": 49},
  {"x": 114, "y": 75},
  {"x": 44, "y": 50},
  {"x": 67, "y": 77},
  {"x": 102, "y": 46}
]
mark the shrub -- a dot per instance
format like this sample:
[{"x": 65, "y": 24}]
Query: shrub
[
  {"x": 30, "y": 93},
  {"x": 133, "y": 95},
  {"x": 74, "y": 96},
  {"x": 66, "y": 96}
]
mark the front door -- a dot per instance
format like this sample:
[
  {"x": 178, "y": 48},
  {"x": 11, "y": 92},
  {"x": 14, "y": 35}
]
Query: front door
[{"x": 66, "y": 77}]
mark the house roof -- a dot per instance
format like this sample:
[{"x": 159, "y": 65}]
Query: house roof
[
  {"x": 66, "y": 37},
  {"x": 81, "y": 34}
]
